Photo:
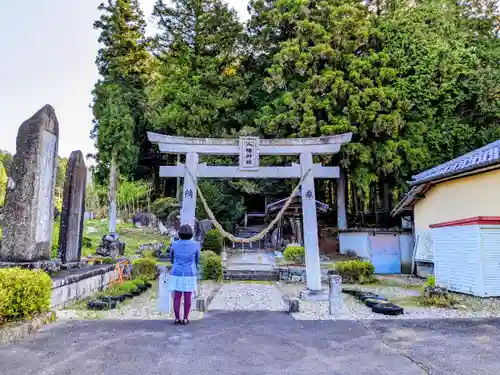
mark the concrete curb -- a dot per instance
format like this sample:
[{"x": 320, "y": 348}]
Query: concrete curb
[{"x": 16, "y": 331}]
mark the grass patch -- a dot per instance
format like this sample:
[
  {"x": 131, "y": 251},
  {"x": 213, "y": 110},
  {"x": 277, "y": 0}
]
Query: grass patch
[
  {"x": 393, "y": 284},
  {"x": 132, "y": 236},
  {"x": 114, "y": 290}
]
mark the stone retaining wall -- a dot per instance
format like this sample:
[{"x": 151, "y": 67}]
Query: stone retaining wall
[
  {"x": 298, "y": 274},
  {"x": 74, "y": 285}
]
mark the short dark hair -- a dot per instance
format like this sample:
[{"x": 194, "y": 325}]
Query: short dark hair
[{"x": 185, "y": 232}]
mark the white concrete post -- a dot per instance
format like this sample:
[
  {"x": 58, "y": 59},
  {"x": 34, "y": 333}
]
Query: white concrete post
[
  {"x": 188, "y": 210},
  {"x": 313, "y": 270},
  {"x": 341, "y": 202}
]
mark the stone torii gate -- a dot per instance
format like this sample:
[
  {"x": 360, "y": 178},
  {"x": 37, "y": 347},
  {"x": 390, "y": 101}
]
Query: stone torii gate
[{"x": 249, "y": 149}]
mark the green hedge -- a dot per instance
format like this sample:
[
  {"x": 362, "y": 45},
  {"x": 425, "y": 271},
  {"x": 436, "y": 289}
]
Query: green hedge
[
  {"x": 211, "y": 265},
  {"x": 355, "y": 271},
  {"x": 213, "y": 242},
  {"x": 295, "y": 254},
  {"x": 144, "y": 268},
  {"x": 23, "y": 293}
]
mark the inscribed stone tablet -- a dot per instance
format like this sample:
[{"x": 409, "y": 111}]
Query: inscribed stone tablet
[{"x": 48, "y": 143}]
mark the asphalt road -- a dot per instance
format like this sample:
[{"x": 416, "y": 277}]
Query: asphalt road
[{"x": 250, "y": 343}]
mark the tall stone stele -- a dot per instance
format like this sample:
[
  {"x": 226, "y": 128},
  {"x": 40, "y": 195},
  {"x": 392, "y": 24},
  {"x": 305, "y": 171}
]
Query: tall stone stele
[
  {"x": 73, "y": 209},
  {"x": 27, "y": 216}
]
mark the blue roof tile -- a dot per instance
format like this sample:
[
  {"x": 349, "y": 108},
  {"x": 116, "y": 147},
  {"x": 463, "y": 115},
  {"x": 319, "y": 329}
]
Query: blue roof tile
[{"x": 484, "y": 156}]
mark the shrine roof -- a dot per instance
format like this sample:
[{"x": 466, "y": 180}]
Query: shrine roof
[{"x": 274, "y": 206}]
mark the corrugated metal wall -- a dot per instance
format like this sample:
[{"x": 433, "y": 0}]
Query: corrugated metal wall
[{"x": 457, "y": 261}]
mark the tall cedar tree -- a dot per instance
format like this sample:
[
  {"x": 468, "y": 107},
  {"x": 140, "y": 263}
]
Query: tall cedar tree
[
  {"x": 123, "y": 62},
  {"x": 390, "y": 72},
  {"x": 201, "y": 85},
  {"x": 451, "y": 84},
  {"x": 329, "y": 78}
]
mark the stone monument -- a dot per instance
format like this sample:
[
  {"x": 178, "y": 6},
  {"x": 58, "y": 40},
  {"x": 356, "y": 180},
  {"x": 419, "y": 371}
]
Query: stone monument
[
  {"x": 27, "y": 216},
  {"x": 73, "y": 209}
]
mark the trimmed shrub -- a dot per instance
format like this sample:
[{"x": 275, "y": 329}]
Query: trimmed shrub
[
  {"x": 431, "y": 281},
  {"x": 144, "y": 268},
  {"x": 213, "y": 242},
  {"x": 211, "y": 266},
  {"x": 119, "y": 289},
  {"x": 23, "y": 293},
  {"x": 295, "y": 254},
  {"x": 355, "y": 271}
]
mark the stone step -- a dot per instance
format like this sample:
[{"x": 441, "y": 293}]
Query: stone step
[
  {"x": 237, "y": 250},
  {"x": 249, "y": 275}
]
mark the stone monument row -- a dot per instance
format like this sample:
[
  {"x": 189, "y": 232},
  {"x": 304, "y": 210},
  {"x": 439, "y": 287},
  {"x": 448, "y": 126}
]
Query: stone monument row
[{"x": 27, "y": 217}]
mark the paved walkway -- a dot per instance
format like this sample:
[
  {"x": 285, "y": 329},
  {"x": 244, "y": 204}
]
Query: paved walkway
[
  {"x": 248, "y": 297},
  {"x": 250, "y": 343},
  {"x": 255, "y": 261}
]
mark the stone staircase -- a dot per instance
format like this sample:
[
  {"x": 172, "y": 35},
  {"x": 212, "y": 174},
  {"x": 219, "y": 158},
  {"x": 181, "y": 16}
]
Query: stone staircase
[
  {"x": 249, "y": 275},
  {"x": 248, "y": 232},
  {"x": 255, "y": 265}
]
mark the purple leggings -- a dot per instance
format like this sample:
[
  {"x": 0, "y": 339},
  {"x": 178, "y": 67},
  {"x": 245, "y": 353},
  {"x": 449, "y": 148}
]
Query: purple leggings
[{"x": 177, "y": 304}]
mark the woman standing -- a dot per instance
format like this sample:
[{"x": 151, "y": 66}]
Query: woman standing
[{"x": 185, "y": 256}]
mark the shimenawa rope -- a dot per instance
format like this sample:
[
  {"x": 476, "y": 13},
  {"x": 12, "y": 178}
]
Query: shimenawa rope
[{"x": 265, "y": 231}]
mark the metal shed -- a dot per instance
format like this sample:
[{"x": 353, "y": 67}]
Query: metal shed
[
  {"x": 389, "y": 251},
  {"x": 467, "y": 255}
]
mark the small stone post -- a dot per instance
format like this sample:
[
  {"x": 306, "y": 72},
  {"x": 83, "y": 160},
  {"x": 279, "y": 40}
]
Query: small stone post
[
  {"x": 164, "y": 295},
  {"x": 335, "y": 294}
]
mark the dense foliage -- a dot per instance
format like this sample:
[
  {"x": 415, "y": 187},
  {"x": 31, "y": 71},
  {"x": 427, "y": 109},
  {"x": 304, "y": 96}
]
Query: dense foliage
[
  {"x": 295, "y": 254},
  {"x": 355, "y": 271},
  {"x": 23, "y": 293},
  {"x": 145, "y": 268},
  {"x": 211, "y": 266},
  {"x": 213, "y": 242},
  {"x": 5, "y": 160},
  {"x": 415, "y": 81}
]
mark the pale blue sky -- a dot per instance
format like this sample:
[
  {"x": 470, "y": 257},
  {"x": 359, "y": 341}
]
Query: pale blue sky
[{"x": 47, "y": 57}]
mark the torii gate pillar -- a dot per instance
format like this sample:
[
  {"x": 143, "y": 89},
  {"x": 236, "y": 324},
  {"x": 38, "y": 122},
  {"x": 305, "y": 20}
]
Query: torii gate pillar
[
  {"x": 310, "y": 227},
  {"x": 188, "y": 209}
]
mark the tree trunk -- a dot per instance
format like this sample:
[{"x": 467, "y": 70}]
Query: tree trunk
[{"x": 113, "y": 182}]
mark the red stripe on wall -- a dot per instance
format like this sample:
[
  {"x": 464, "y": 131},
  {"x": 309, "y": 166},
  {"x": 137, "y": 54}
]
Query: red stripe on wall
[{"x": 477, "y": 220}]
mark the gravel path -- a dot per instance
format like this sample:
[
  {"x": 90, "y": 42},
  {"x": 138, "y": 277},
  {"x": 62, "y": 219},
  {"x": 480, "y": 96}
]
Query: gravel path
[
  {"x": 355, "y": 310},
  {"x": 248, "y": 297},
  {"x": 144, "y": 307}
]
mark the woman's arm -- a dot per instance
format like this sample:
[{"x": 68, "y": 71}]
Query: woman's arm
[{"x": 197, "y": 256}]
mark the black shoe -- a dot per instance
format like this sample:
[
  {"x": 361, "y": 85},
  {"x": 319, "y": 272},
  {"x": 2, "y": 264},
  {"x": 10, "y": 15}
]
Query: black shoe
[
  {"x": 178, "y": 322},
  {"x": 185, "y": 322}
]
